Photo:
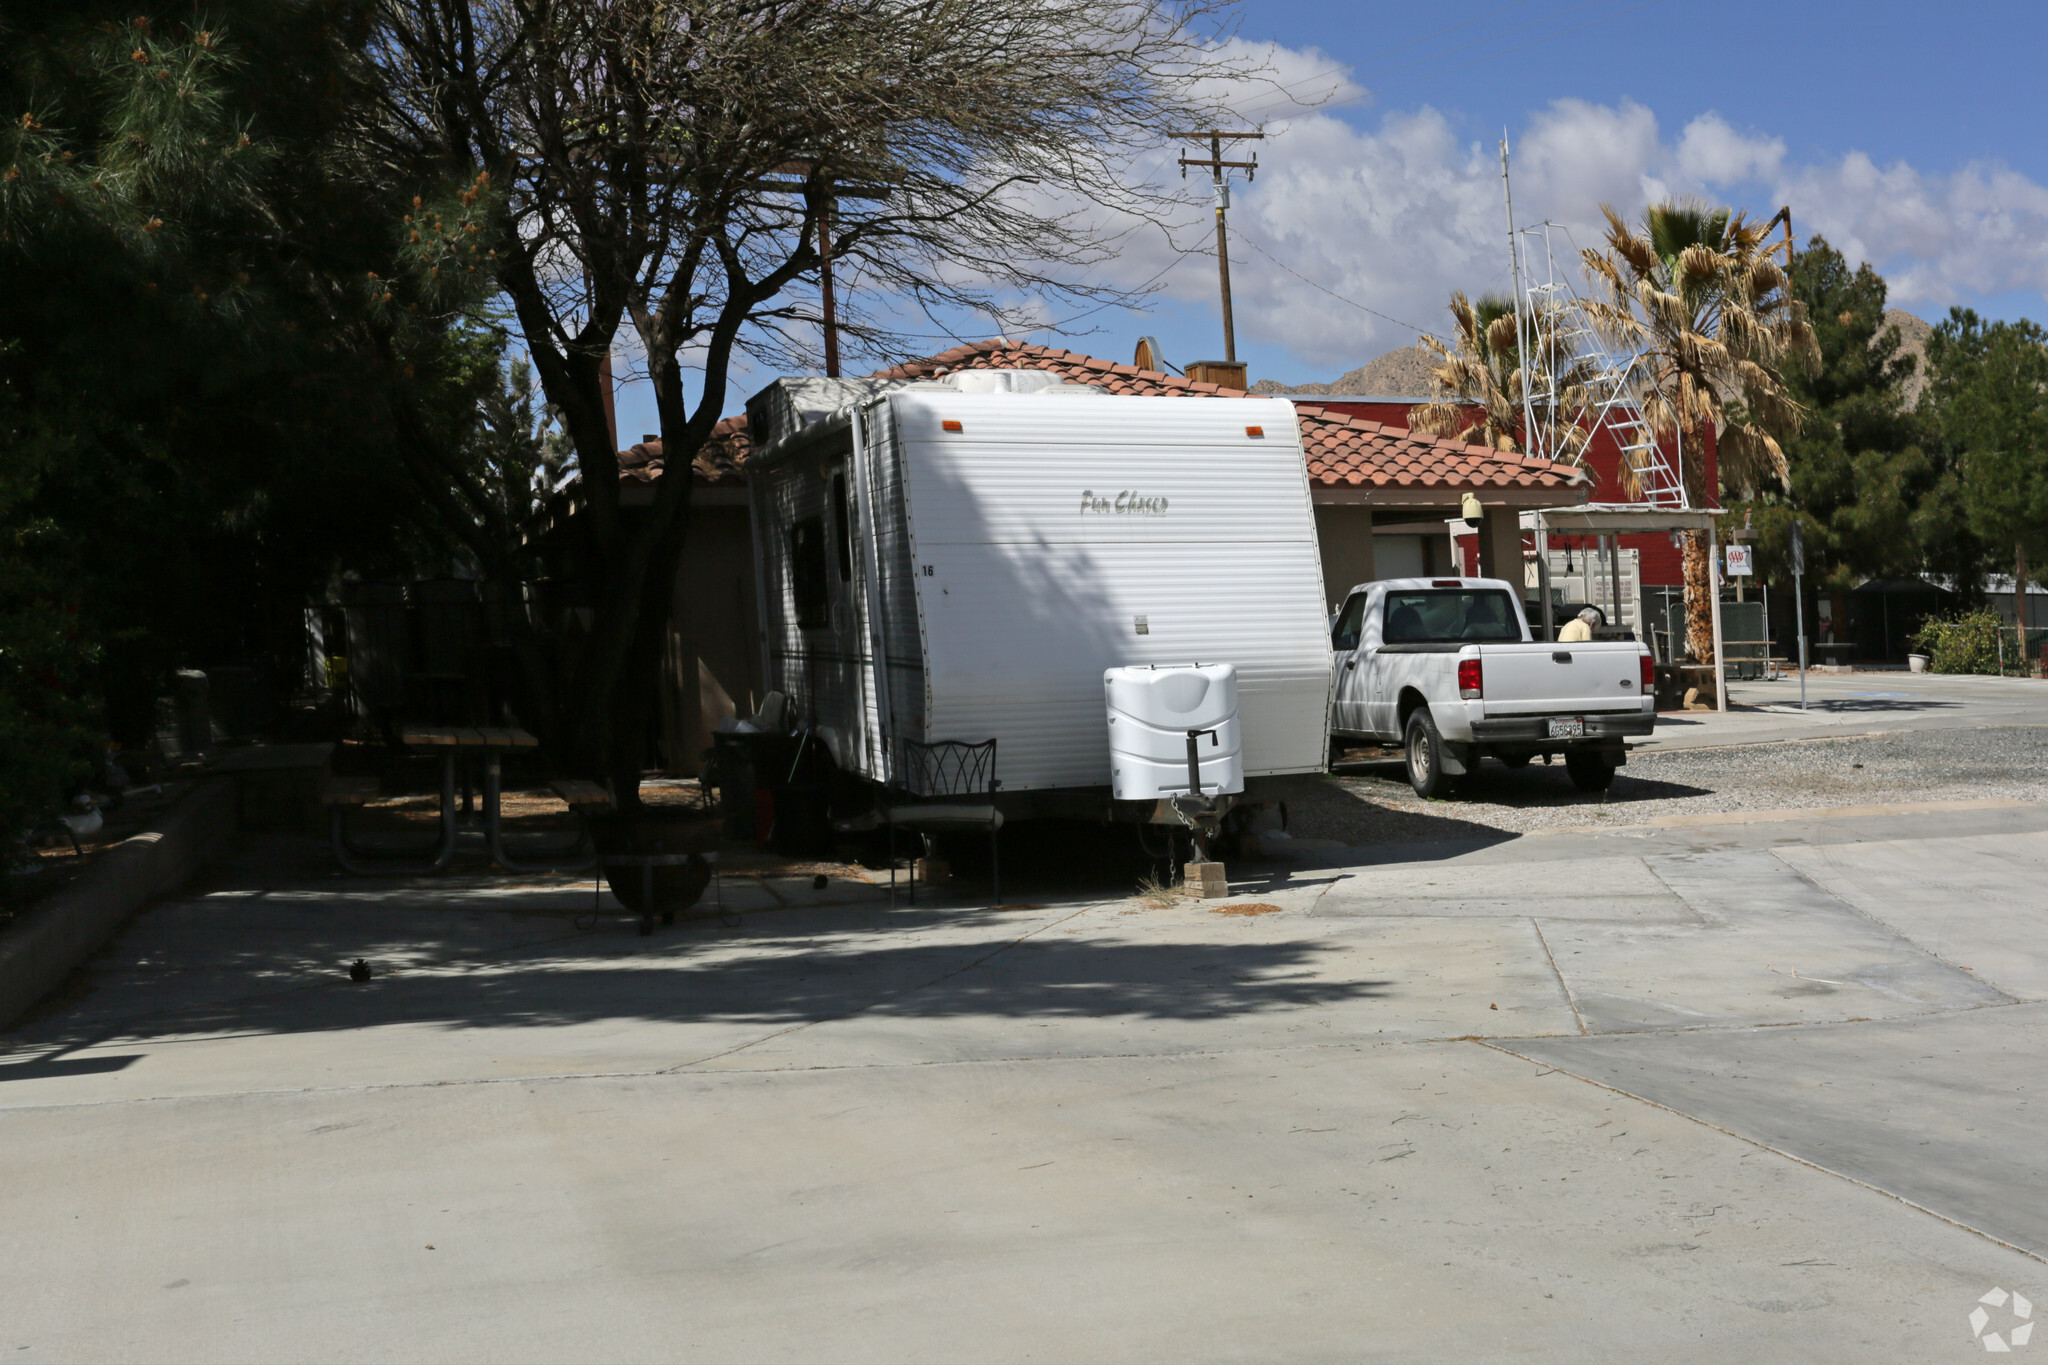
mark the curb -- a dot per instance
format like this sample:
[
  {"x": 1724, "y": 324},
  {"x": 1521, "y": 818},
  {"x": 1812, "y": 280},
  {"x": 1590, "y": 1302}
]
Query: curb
[{"x": 46, "y": 945}]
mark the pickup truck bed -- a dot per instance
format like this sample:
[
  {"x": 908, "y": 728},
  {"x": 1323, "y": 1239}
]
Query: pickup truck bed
[{"x": 1447, "y": 669}]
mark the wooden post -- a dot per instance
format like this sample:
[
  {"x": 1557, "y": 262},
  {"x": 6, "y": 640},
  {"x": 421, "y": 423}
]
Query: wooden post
[{"x": 1714, "y": 600}]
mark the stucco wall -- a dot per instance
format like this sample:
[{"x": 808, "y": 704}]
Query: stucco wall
[
  {"x": 1345, "y": 535},
  {"x": 712, "y": 665}
]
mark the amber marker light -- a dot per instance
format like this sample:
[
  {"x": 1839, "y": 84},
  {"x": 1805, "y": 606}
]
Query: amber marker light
[{"x": 949, "y": 425}]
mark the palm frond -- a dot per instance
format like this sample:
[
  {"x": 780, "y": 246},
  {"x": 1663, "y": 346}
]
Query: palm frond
[
  {"x": 1676, "y": 224},
  {"x": 1639, "y": 252}
]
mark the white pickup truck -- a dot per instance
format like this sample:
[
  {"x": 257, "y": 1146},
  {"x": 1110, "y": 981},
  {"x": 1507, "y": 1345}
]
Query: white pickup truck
[{"x": 1446, "y": 668}]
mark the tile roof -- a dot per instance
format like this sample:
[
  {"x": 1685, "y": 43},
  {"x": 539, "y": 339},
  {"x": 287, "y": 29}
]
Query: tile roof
[
  {"x": 716, "y": 465},
  {"x": 1343, "y": 451}
]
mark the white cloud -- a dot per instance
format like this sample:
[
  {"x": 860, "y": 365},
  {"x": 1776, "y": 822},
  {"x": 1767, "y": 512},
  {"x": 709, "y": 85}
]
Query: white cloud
[
  {"x": 1399, "y": 215},
  {"x": 1712, "y": 153},
  {"x": 1981, "y": 230}
]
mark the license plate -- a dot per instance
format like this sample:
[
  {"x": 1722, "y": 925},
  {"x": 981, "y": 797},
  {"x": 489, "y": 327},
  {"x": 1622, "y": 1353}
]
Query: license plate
[{"x": 1574, "y": 728}]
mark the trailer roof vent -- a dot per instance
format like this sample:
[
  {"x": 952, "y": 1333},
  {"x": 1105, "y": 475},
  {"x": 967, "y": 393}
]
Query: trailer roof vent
[{"x": 1003, "y": 381}]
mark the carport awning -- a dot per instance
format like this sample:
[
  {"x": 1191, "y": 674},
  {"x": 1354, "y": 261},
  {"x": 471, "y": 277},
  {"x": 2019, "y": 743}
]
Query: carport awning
[
  {"x": 1617, "y": 519},
  {"x": 1608, "y": 519}
]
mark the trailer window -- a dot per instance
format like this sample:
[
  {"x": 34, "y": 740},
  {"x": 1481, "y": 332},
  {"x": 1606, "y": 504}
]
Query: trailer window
[
  {"x": 813, "y": 600},
  {"x": 1349, "y": 622},
  {"x": 843, "y": 524},
  {"x": 1449, "y": 616}
]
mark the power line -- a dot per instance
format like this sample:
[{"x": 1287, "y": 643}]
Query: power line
[
  {"x": 1062, "y": 323},
  {"x": 1249, "y": 241}
]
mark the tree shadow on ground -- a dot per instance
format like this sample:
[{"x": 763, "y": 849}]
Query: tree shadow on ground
[{"x": 773, "y": 972}]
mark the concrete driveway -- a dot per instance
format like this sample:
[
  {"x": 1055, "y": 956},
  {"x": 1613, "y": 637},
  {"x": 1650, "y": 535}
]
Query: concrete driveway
[{"x": 1754, "y": 1089}]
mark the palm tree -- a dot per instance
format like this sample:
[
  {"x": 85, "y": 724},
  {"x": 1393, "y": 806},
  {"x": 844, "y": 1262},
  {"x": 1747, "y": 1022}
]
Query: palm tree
[
  {"x": 1478, "y": 382},
  {"x": 1693, "y": 289}
]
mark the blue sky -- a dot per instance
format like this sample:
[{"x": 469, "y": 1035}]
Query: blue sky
[{"x": 1909, "y": 135}]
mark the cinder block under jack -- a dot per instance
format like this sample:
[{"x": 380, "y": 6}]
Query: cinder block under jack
[{"x": 1205, "y": 880}]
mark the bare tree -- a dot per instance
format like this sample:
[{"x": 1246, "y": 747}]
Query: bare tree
[{"x": 681, "y": 168}]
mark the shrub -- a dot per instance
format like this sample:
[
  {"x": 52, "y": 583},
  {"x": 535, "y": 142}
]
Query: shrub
[
  {"x": 48, "y": 733},
  {"x": 1971, "y": 642}
]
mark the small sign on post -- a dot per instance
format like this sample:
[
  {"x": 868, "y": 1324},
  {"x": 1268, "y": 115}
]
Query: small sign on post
[{"x": 1739, "y": 561}]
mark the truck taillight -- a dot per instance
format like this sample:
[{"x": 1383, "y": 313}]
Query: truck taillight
[
  {"x": 1649, "y": 673},
  {"x": 1471, "y": 684}
]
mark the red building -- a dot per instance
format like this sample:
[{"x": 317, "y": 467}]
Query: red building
[{"x": 1660, "y": 557}]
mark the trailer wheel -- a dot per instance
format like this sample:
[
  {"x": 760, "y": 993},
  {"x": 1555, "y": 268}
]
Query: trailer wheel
[
  {"x": 1426, "y": 757},
  {"x": 1592, "y": 770}
]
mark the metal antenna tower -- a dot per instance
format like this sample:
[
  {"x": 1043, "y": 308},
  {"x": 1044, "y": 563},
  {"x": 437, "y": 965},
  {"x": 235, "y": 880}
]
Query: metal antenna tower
[{"x": 1577, "y": 382}]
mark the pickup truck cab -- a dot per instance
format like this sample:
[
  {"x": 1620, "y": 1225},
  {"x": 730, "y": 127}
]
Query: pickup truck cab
[{"x": 1446, "y": 668}]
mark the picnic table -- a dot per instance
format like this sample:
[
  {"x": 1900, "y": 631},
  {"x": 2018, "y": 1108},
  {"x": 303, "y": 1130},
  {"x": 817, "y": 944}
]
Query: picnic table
[
  {"x": 453, "y": 744},
  {"x": 1768, "y": 664}
]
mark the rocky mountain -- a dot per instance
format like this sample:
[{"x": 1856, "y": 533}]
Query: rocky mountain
[{"x": 1402, "y": 373}]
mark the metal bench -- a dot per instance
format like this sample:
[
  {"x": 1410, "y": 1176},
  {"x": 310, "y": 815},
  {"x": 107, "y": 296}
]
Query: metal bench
[{"x": 946, "y": 784}]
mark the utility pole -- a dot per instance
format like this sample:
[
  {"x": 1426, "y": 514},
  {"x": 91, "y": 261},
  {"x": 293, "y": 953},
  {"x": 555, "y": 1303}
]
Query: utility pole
[
  {"x": 831, "y": 314},
  {"x": 834, "y": 189},
  {"x": 1219, "y": 172}
]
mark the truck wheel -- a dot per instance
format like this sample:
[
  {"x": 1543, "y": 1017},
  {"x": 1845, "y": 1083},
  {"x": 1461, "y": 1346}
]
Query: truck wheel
[
  {"x": 1426, "y": 757},
  {"x": 1591, "y": 769}
]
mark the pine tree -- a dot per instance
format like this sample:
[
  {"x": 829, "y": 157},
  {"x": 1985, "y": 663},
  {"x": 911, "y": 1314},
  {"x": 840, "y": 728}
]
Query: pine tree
[
  {"x": 1987, "y": 401},
  {"x": 1859, "y": 473}
]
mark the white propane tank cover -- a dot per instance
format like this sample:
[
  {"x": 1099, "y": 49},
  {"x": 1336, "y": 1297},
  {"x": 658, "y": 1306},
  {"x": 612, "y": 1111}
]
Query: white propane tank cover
[{"x": 1151, "y": 710}]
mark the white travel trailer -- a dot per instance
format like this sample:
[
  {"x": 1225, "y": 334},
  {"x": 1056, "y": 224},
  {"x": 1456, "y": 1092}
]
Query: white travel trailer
[{"x": 965, "y": 558}]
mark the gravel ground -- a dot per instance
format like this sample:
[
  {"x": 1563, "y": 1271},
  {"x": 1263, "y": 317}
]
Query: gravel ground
[{"x": 1371, "y": 803}]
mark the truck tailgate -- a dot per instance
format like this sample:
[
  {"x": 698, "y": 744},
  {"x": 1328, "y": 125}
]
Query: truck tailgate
[{"x": 1552, "y": 679}]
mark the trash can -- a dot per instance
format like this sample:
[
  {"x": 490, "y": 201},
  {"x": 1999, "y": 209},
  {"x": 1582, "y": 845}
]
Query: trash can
[
  {"x": 750, "y": 767},
  {"x": 732, "y": 772}
]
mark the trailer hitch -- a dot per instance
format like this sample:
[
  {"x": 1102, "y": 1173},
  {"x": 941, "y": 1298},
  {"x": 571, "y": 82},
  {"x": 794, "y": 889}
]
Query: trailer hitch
[{"x": 1198, "y": 812}]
